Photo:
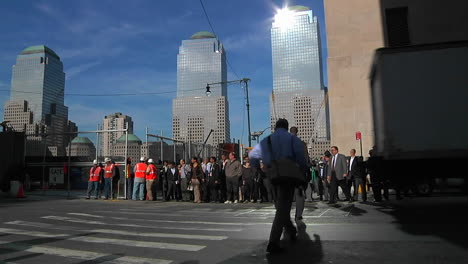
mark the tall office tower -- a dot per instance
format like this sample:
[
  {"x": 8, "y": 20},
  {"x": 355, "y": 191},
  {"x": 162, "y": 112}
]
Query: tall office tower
[
  {"x": 116, "y": 121},
  {"x": 201, "y": 60},
  {"x": 37, "y": 99},
  {"x": 298, "y": 91}
]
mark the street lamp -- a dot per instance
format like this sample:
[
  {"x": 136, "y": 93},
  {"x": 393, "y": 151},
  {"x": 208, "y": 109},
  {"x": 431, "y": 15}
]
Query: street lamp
[{"x": 245, "y": 81}]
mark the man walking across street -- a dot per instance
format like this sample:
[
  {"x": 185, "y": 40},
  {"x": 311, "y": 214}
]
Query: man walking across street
[
  {"x": 337, "y": 176},
  {"x": 94, "y": 179},
  {"x": 140, "y": 180},
  {"x": 280, "y": 146}
]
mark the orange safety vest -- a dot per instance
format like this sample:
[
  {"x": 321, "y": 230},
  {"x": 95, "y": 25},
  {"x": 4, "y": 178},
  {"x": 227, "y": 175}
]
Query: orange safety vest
[
  {"x": 153, "y": 173},
  {"x": 109, "y": 170},
  {"x": 140, "y": 171},
  {"x": 94, "y": 173}
]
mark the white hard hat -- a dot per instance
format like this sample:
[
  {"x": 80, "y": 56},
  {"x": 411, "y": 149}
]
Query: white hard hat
[
  {"x": 150, "y": 161},
  {"x": 142, "y": 159},
  {"x": 107, "y": 159},
  {"x": 94, "y": 162}
]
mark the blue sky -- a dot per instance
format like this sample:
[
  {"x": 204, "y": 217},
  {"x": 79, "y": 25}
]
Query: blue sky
[{"x": 116, "y": 46}]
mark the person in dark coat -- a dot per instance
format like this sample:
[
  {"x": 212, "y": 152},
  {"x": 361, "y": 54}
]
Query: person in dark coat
[{"x": 172, "y": 177}]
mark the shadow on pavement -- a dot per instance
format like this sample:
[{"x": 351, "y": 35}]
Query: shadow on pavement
[
  {"x": 304, "y": 250},
  {"x": 353, "y": 210},
  {"x": 446, "y": 218}
]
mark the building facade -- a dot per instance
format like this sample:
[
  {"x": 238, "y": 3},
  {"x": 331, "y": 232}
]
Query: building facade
[
  {"x": 134, "y": 144},
  {"x": 82, "y": 147},
  {"x": 298, "y": 93},
  {"x": 201, "y": 60},
  {"x": 36, "y": 103},
  {"x": 116, "y": 121}
]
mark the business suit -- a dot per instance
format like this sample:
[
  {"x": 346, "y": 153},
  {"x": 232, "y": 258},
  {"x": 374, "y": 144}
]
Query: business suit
[
  {"x": 172, "y": 178},
  {"x": 337, "y": 174},
  {"x": 357, "y": 177}
]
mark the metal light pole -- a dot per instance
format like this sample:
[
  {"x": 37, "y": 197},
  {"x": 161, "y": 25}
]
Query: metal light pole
[{"x": 245, "y": 81}]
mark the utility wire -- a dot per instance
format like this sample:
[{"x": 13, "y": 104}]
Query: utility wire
[
  {"x": 108, "y": 94},
  {"x": 212, "y": 29}
]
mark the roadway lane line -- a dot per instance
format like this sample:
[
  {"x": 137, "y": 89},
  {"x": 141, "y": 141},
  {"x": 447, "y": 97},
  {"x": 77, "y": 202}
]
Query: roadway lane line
[
  {"x": 77, "y": 254},
  {"x": 29, "y": 233},
  {"x": 84, "y": 221},
  {"x": 165, "y": 235},
  {"x": 120, "y": 242},
  {"x": 134, "y": 243},
  {"x": 89, "y": 215},
  {"x": 324, "y": 212},
  {"x": 117, "y": 232},
  {"x": 182, "y": 222}
]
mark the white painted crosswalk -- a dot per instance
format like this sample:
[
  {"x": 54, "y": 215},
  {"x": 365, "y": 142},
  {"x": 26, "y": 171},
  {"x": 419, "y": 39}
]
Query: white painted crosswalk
[{"x": 104, "y": 230}]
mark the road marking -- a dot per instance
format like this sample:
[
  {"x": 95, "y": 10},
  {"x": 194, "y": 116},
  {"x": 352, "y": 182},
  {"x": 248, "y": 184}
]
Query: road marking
[
  {"x": 324, "y": 212},
  {"x": 117, "y": 232},
  {"x": 84, "y": 221},
  {"x": 89, "y": 215},
  {"x": 29, "y": 233},
  {"x": 122, "y": 242},
  {"x": 182, "y": 222},
  {"x": 166, "y": 235},
  {"x": 134, "y": 243},
  {"x": 245, "y": 212},
  {"x": 77, "y": 254}
]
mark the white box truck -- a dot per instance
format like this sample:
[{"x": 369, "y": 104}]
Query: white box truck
[{"x": 420, "y": 113}]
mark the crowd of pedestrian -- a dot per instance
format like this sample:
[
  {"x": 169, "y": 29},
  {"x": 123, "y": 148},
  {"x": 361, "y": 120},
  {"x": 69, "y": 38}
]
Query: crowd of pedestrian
[{"x": 229, "y": 180}]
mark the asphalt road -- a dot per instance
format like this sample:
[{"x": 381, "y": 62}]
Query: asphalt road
[{"x": 55, "y": 230}]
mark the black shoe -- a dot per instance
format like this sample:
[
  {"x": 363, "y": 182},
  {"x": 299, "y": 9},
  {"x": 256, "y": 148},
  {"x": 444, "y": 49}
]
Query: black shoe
[
  {"x": 331, "y": 202},
  {"x": 292, "y": 233},
  {"x": 274, "y": 249},
  {"x": 87, "y": 198},
  {"x": 95, "y": 198}
]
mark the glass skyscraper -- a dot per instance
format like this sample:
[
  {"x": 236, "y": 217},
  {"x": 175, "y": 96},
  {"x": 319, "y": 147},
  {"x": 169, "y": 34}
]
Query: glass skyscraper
[
  {"x": 298, "y": 91},
  {"x": 37, "y": 92},
  {"x": 201, "y": 60}
]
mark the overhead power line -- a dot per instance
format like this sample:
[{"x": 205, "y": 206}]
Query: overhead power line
[
  {"x": 212, "y": 29},
  {"x": 107, "y": 94}
]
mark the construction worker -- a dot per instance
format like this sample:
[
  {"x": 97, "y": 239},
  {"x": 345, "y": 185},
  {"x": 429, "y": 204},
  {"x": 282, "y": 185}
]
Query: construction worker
[
  {"x": 151, "y": 176},
  {"x": 109, "y": 173},
  {"x": 140, "y": 180},
  {"x": 94, "y": 179}
]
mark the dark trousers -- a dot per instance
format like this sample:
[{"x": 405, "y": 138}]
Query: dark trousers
[
  {"x": 285, "y": 194},
  {"x": 171, "y": 186},
  {"x": 257, "y": 190},
  {"x": 178, "y": 192},
  {"x": 360, "y": 182},
  {"x": 115, "y": 187},
  {"x": 213, "y": 190},
  {"x": 232, "y": 187},
  {"x": 334, "y": 188},
  {"x": 247, "y": 190},
  {"x": 222, "y": 189},
  {"x": 93, "y": 186},
  {"x": 129, "y": 188},
  {"x": 270, "y": 191}
]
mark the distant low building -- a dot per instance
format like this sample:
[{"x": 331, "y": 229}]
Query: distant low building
[
  {"x": 81, "y": 147},
  {"x": 134, "y": 148}
]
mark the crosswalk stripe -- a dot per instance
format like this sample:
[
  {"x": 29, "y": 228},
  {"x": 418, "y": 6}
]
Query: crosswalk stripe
[
  {"x": 122, "y": 242},
  {"x": 183, "y": 222},
  {"x": 29, "y": 233},
  {"x": 134, "y": 243},
  {"x": 77, "y": 254},
  {"x": 165, "y": 235},
  {"x": 117, "y": 232},
  {"x": 84, "y": 221},
  {"x": 89, "y": 215}
]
